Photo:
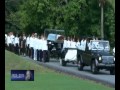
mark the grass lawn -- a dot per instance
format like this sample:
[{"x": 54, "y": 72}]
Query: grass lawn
[{"x": 45, "y": 79}]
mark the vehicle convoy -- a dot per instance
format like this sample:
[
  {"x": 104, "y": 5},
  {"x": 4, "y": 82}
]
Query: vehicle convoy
[{"x": 95, "y": 54}]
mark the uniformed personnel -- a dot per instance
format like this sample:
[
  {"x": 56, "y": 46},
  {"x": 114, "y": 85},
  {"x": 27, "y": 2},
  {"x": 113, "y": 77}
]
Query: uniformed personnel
[
  {"x": 28, "y": 45},
  {"x": 45, "y": 50},
  {"x": 16, "y": 44},
  {"x": 31, "y": 46}
]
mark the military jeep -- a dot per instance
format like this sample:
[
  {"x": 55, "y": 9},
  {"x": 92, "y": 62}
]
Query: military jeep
[
  {"x": 55, "y": 39},
  {"x": 97, "y": 55}
]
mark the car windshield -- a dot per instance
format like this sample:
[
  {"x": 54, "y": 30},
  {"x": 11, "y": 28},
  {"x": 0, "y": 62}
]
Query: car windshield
[
  {"x": 54, "y": 37},
  {"x": 53, "y": 31},
  {"x": 99, "y": 45}
]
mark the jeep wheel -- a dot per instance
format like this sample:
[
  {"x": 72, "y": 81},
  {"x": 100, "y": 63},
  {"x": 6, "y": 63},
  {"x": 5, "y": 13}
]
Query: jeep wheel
[
  {"x": 93, "y": 67},
  {"x": 80, "y": 66},
  {"x": 63, "y": 63},
  {"x": 112, "y": 72}
]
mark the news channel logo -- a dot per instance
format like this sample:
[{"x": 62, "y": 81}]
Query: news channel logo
[{"x": 22, "y": 75}]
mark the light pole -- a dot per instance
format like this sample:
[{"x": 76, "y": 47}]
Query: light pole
[{"x": 101, "y": 4}]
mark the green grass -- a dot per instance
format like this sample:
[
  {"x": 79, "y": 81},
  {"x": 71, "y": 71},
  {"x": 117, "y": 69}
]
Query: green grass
[{"x": 45, "y": 79}]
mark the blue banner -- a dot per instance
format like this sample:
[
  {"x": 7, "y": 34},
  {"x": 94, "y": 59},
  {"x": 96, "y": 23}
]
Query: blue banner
[{"x": 22, "y": 75}]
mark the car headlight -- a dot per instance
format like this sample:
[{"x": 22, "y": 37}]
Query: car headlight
[
  {"x": 49, "y": 42},
  {"x": 114, "y": 58},
  {"x": 100, "y": 58}
]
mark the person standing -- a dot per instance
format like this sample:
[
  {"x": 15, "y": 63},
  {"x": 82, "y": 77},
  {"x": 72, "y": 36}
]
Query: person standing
[
  {"x": 68, "y": 43},
  {"x": 88, "y": 44},
  {"x": 65, "y": 46},
  {"x": 24, "y": 45},
  {"x": 39, "y": 49},
  {"x": 9, "y": 42},
  {"x": 12, "y": 37},
  {"x": 31, "y": 46},
  {"x": 83, "y": 44},
  {"x": 114, "y": 51},
  {"x": 78, "y": 43},
  {"x": 27, "y": 45},
  {"x": 16, "y": 44},
  {"x": 21, "y": 45},
  {"x": 41, "y": 52},
  {"x": 5, "y": 40},
  {"x": 64, "y": 43},
  {"x": 35, "y": 46},
  {"x": 73, "y": 43},
  {"x": 45, "y": 50}
]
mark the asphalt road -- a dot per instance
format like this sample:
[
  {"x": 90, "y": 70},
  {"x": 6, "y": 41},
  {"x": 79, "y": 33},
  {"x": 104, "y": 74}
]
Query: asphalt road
[{"x": 103, "y": 76}]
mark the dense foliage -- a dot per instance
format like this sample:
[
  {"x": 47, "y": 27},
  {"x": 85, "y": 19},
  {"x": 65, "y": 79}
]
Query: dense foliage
[{"x": 76, "y": 17}]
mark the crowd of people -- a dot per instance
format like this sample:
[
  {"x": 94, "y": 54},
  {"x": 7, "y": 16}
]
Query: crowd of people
[
  {"x": 78, "y": 43},
  {"x": 34, "y": 46}
]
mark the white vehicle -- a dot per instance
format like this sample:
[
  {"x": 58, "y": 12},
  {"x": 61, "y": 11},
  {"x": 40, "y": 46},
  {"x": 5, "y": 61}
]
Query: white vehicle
[{"x": 69, "y": 55}]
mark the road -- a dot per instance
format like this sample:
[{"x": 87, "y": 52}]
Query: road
[{"x": 103, "y": 76}]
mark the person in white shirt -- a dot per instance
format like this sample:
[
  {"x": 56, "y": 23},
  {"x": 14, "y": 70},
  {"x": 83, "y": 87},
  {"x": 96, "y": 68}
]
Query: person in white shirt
[
  {"x": 78, "y": 43},
  {"x": 35, "y": 46},
  {"x": 41, "y": 51},
  {"x": 16, "y": 44},
  {"x": 9, "y": 42},
  {"x": 88, "y": 44},
  {"x": 31, "y": 46},
  {"x": 68, "y": 43},
  {"x": 5, "y": 40},
  {"x": 5, "y": 37},
  {"x": 39, "y": 48},
  {"x": 114, "y": 51},
  {"x": 24, "y": 44},
  {"x": 45, "y": 50},
  {"x": 64, "y": 43},
  {"x": 12, "y": 37},
  {"x": 73, "y": 43},
  {"x": 20, "y": 45},
  {"x": 63, "y": 49},
  {"x": 83, "y": 44},
  {"x": 28, "y": 45}
]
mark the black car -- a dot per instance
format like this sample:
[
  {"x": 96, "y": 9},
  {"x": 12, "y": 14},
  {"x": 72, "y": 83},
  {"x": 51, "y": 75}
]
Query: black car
[{"x": 97, "y": 55}]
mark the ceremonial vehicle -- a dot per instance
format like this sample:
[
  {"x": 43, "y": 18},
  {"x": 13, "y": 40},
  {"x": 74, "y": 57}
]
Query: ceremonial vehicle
[
  {"x": 55, "y": 39},
  {"x": 69, "y": 55},
  {"x": 97, "y": 55}
]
